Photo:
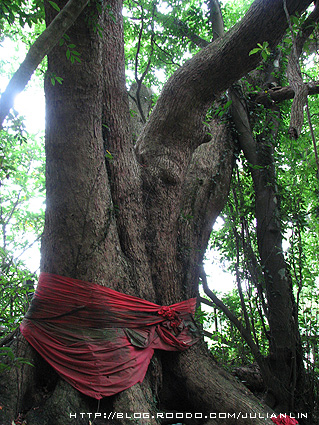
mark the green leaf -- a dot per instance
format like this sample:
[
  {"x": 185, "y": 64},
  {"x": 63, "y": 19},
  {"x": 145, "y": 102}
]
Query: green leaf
[
  {"x": 294, "y": 20},
  {"x": 55, "y": 6},
  {"x": 254, "y": 51},
  {"x": 108, "y": 155},
  {"x": 7, "y": 351},
  {"x": 22, "y": 360},
  {"x": 4, "y": 367}
]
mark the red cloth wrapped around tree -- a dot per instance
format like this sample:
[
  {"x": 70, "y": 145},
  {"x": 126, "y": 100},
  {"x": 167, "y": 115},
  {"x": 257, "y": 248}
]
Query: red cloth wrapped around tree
[
  {"x": 284, "y": 420},
  {"x": 99, "y": 340}
]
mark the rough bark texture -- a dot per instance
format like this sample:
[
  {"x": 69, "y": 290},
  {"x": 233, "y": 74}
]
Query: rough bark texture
[
  {"x": 294, "y": 74},
  {"x": 270, "y": 97},
  {"x": 138, "y": 222},
  {"x": 80, "y": 221}
]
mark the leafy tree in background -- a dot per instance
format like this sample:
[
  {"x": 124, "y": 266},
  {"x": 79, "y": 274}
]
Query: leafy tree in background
[
  {"x": 21, "y": 12},
  {"x": 22, "y": 189},
  {"x": 22, "y": 181},
  {"x": 21, "y": 218},
  {"x": 257, "y": 254},
  {"x": 149, "y": 209}
]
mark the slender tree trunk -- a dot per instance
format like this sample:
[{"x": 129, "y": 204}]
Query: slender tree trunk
[
  {"x": 285, "y": 377},
  {"x": 283, "y": 370}
]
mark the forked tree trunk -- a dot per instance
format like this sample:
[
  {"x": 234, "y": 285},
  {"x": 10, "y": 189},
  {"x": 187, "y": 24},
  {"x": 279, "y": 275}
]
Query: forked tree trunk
[{"x": 138, "y": 223}]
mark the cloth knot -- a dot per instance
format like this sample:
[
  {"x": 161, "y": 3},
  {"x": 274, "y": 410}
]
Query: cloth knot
[
  {"x": 167, "y": 313},
  {"x": 174, "y": 322}
]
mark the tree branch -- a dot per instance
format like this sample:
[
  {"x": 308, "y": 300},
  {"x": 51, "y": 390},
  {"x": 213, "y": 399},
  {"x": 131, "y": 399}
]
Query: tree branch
[
  {"x": 238, "y": 243},
  {"x": 205, "y": 192},
  {"x": 176, "y": 128},
  {"x": 216, "y": 19},
  {"x": 182, "y": 28},
  {"x": 294, "y": 72},
  {"x": 313, "y": 138},
  {"x": 39, "y": 49},
  {"x": 193, "y": 87},
  {"x": 138, "y": 80},
  {"x": 272, "y": 96},
  {"x": 207, "y": 302},
  {"x": 124, "y": 171},
  {"x": 221, "y": 306}
]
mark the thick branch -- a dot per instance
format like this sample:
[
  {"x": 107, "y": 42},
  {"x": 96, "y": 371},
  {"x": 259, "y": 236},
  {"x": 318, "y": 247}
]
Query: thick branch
[
  {"x": 294, "y": 73},
  {"x": 205, "y": 192},
  {"x": 139, "y": 81},
  {"x": 123, "y": 169},
  {"x": 269, "y": 97},
  {"x": 193, "y": 87},
  {"x": 240, "y": 117},
  {"x": 39, "y": 49},
  {"x": 176, "y": 126},
  {"x": 216, "y": 19},
  {"x": 212, "y": 390}
]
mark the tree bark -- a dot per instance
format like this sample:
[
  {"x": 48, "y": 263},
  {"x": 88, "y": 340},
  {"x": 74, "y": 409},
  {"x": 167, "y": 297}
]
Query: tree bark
[
  {"x": 294, "y": 73},
  {"x": 271, "y": 97}
]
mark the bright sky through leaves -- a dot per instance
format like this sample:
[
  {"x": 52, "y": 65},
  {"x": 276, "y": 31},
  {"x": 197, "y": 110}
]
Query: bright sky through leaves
[{"x": 31, "y": 105}]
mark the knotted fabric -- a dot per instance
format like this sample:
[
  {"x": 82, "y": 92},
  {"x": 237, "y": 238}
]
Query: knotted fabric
[{"x": 99, "y": 340}]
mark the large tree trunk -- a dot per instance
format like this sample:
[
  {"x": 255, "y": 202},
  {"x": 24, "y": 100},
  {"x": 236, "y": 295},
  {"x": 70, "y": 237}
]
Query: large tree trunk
[{"x": 138, "y": 223}]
